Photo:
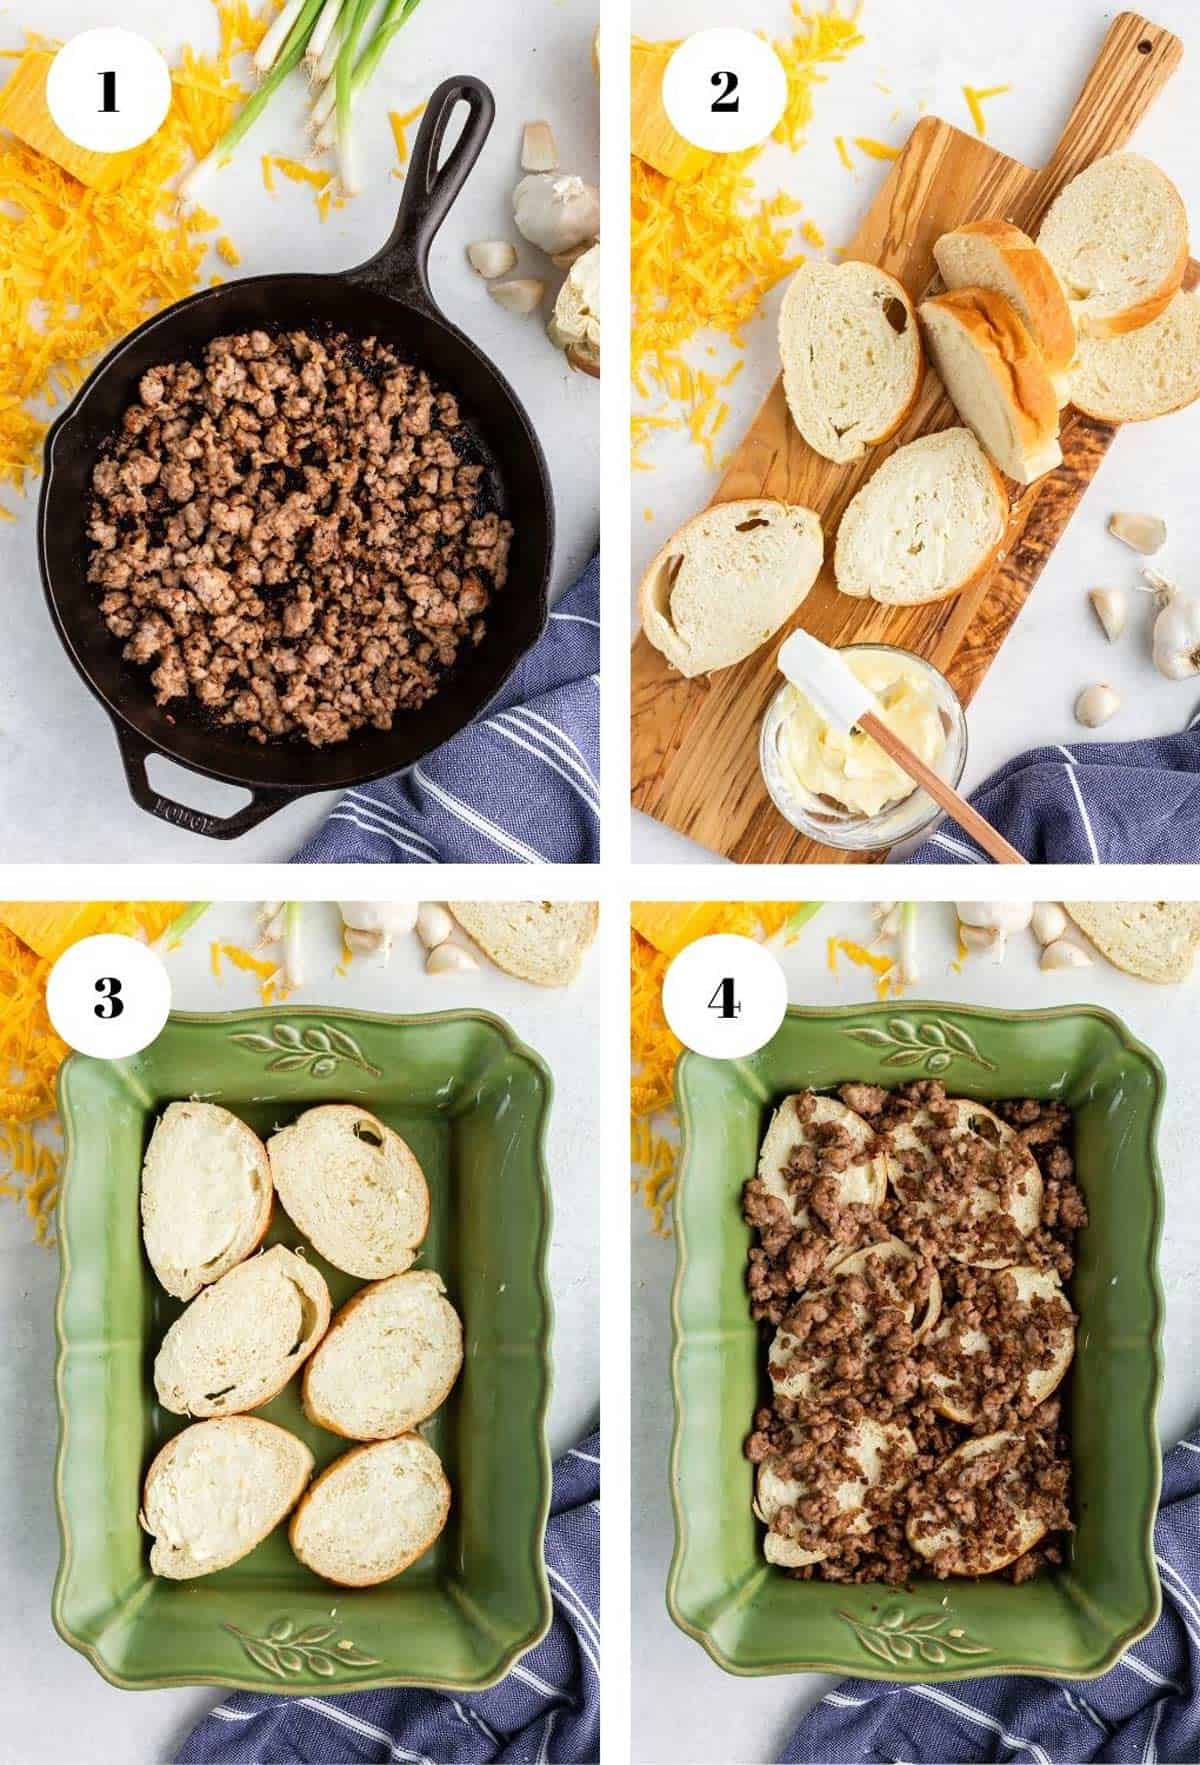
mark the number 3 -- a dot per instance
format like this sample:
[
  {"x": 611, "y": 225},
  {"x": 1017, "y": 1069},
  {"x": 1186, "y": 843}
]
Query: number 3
[
  {"x": 726, "y": 102},
  {"x": 111, "y": 1004}
]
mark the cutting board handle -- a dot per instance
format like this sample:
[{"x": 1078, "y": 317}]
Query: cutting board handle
[{"x": 1137, "y": 60}]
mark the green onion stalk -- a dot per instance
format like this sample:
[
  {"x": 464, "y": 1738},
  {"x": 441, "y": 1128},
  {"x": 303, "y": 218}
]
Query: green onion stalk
[
  {"x": 174, "y": 934},
  {"x": 353, "y": 73}
]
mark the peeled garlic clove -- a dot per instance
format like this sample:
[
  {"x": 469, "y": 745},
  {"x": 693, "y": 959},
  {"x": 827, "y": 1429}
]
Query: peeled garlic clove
[
  {"x": 434, "y": 924},
  {"x": 362, "y": 943},
  {"x": 978, "y": 937},
  {"x": 1111, "y": 607},
  {"x": 1142, "y": 533},
  {"x": 1095, "y": 705},
  {"x": 1049, "y": 922},
  {"x": 492, "y": 257},
  {"x": 523, "y": 295},
  {"x": 539, "y": 152},
  {"x": 1063, "y": 954},
  {"x": 449, "y": 959}
]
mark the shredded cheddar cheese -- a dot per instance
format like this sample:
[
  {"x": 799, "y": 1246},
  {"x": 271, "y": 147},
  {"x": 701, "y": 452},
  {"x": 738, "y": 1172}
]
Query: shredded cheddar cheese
[
  {"x": 887, "y": 981},
  {"x": 976, "y": 96},
  {"x": 875, "y": 149},
  {"x": 400, "y": 125},
  {"x": 267, "y": 973}
]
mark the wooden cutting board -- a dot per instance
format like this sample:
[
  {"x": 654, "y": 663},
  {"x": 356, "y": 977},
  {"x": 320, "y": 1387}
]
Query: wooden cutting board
[{"x": 695, "y": 742}]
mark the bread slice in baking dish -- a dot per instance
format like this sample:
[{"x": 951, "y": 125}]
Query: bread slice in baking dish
[
  {"x": 852, "y": 358},
  {"x": 1143, "y": 374},
  {"x": 391, "y": 1356},
  {"x": 1117, "y": 238},
  {"x": 926, "y": 525},
  {"x": 998, "y": 256},
  {"x": 240, "y": 1341},
  {"x": 353, "y": 1187},
  {"x": 726, "y": 582},
  {"x": 373, "y": 1512},
  {"x": 795, "y": 1126},
  {"x": 544, "y": 942},
  {"x": 216, "y": 1490},
  {"x": 996, "y": 378},
  {"x": 952, "y": 1540},
  {"x": 206, "y": 1195},
  {"x": 872, "y": 1445}
]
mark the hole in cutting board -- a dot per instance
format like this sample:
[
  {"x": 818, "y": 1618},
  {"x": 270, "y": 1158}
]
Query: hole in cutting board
[{"x": 1145, "y": 46}]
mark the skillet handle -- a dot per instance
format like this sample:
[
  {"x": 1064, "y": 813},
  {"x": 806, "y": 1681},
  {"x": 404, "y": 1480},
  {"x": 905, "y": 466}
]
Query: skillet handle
[
  {"x": 135, "y": 752},
  {"x": 401, "y": 269}
]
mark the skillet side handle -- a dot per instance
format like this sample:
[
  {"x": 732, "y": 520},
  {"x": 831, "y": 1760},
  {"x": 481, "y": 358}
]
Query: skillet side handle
[
  {"x": 401, "y": 269},
  {"x": 134, "y": 754}
]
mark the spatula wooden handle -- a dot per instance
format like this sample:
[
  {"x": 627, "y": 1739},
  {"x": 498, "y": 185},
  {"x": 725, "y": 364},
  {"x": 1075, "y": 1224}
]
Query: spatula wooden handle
[{"x": 943, "y": 794}]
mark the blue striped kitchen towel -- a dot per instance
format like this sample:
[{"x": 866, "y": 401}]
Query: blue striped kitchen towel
[
  {"x": 520, "y": 785},
  {"x": 547, "y": 1708},
  {"x": 1097, "y": 803},
  {"x": 1146, "y": 1709}
]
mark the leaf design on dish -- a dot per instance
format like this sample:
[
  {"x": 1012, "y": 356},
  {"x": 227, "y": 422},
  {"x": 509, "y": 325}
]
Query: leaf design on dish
[
  {"x": 318, "y": 1047},
  {"x": 934, "y": 1044},
  {"x": 897, "y": 1637},
  {"x": 286, "y": 1653}
]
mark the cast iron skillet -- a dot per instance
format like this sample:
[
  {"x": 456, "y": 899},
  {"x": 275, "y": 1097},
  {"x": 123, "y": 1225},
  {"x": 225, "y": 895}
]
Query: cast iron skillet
[{"x": 388, "y": 297}]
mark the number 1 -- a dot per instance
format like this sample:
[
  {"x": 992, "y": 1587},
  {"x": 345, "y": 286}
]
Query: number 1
[{"x": 108, "y": 86}]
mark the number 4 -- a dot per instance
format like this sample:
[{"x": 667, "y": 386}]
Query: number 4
[
  {"x": 725, "y": 1000},
  {"x": 726, "y": 102}
]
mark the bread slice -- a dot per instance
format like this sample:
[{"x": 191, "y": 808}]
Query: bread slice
[
  {"x": 852, "y": 357},
  {"x": 206, "y": 1195},
  {"x": 1147, "y": 373},
  {"x": 539, "y": 941},
  {"x": 216, "y": 1490},
  {"x": 353, "y": 1187},
  {"x": 996, "y": 378},
  {"x": 952, "y": 1541},
  {"x": 1117, "y": 239},
  {"x": 728, "y": 580},
  {"x": 389, "y": 1360},
  {"x": 237, "y": 1344},
  {"x": 863, "y": 1178},
  {"x": 778, "y": 1493},
  {"x": 998, "y": 256},
  {"x": 966, "y": 1125},
  {"x": 372, "y": 1512},
  {"x": 927, "y": 524},
  {"x": 1156, "y": 940}
]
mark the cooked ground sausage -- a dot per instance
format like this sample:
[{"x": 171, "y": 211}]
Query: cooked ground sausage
[{"x": 292, "y": 535}]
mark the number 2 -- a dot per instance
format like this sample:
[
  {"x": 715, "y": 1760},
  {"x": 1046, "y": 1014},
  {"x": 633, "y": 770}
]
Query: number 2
[
  {"x": 725, "y": 1000},
  {"x": 108, "y": 87},
  {"x": 111, "y": 1004},
  {"x": 726, "y": 102}
]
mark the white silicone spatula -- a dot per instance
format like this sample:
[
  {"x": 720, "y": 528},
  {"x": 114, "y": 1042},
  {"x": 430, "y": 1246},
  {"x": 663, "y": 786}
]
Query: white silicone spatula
[{"x": 845, "y": 703}]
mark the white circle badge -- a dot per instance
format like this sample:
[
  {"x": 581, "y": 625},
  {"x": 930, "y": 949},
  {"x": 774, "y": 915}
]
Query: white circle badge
[
  {"x": 724, "y": 996},
  {"x": 724, "y": 90},
  {"x": 108, "y": 996},
  {"x": 108, "y": 90}
]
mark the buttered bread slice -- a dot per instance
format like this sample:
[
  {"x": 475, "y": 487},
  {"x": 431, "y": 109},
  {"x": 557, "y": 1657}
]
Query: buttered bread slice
[
  {"x": 389, "y": 1360},
  {"x": 216, "y": 1490},
  {"x": 206, "y": 1196},
  {"x": 372, "y": 1512},
  {"x": 353, "y": 1187}
]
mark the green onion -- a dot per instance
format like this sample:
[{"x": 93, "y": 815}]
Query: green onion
[
  {"x": 343, "y": 93},
  {"x": 323, "y": 30},
  {"x": 394, "y": 14},
  {"x": 799, "y": 919},
  {"x": 174, "y": 934}
]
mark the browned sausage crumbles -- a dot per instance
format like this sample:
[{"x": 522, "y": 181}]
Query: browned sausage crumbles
[
  {"x": 294, "y": 535},
  {"x": 850, "y": 1345}
]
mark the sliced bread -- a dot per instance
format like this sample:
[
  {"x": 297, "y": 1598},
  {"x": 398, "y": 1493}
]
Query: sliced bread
[
  {"x": 389, "y": 1360},
  {"x": 353, "y": 1187},
  {"x": 996, "y": 378},
  {"x": 728, "y": 580},
  {"x": 539, "y": 941},
  {"x": 998, "y": 256},
  {"x": 1117, "y": 239},
  {"x": 925, "y": 525},
  {"x": 1155, "y": 940},
  {"x": 372, "y": 1512},
  {"x": 1144, "y": 374},
  {"x": 852, "y": 359},
  {"x": 216, "y": 1490},
  {"x": 240, "y": 1341},
  {"x": 206, "y": 1195}
]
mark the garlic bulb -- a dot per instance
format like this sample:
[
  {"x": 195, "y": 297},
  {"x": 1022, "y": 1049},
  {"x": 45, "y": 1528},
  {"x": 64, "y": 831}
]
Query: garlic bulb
[
  {"x": 1176, "y": 630},
  {"x": 575, "y": 325},
  {"x": 370, "y": 926},
  {"x": 993, "y": 920},
  {"x": 556, "y": 211},
  {"x": 1096, "y": 704}
]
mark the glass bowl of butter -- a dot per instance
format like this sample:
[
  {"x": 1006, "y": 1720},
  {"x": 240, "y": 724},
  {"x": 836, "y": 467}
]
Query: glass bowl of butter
[{"x": 841, "y": 789}]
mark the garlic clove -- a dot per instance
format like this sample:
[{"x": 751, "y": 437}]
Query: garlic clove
[
  {"x": 362, "y": 943},
  {"x": 492, "y": 257},
  {"x": 978, "y": 937},
  {"x": 1111, "y": 607},
  {"x": 1063, "y": 954},
  {"x": 523, "y": 295},
  {"x": 1096, "y": 704},
  {"x": 449, "y": 959},
  {"x": 539, "y": 151},
  {"x": 1142, "y": 533},
  {"x": 434, "y": 924},
  {"x": 1049, "y": 922}
]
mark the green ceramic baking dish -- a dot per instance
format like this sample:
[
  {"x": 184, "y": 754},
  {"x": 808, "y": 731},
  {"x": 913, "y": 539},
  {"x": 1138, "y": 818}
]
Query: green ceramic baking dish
[
  {"x": 472, "y": 1101},
  {"x": 1072, "y": 1623}
]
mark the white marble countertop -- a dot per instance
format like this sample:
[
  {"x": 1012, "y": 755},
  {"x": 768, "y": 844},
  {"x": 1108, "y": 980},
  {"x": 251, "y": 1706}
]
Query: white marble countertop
[
  {"x": 685, "y": 1708},
  {"x": 537, "y": 59},
  {"x": 57, "y": 1707},
  {"x": 925, "y": 54}
]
